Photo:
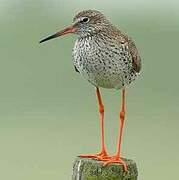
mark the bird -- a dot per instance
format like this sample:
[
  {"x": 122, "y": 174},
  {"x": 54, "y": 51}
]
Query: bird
[{"x": 108, "y": 58}]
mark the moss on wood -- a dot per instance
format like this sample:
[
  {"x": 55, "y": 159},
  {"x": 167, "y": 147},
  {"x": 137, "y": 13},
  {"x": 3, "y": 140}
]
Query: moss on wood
[{"x": 89, "y": 169}]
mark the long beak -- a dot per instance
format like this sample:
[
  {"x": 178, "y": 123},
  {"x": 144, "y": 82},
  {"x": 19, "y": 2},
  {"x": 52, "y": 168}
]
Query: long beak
[{"x": 70, "y": 29}]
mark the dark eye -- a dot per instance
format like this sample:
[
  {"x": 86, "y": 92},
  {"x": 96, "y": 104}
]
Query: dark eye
[{"x": 85, "y": 19}]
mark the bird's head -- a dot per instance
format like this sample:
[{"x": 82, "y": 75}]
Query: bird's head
[
  {"x": 85, "y": 23},
  {"x": 89, "y": 22}
]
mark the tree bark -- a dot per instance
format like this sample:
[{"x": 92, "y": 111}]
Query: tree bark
[{"x": 90, "y": 169}]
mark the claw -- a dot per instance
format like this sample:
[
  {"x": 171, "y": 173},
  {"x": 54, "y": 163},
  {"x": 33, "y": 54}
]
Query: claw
[
  {"x": 102, "y": 156},
  {"x": 116, "y": 159}
]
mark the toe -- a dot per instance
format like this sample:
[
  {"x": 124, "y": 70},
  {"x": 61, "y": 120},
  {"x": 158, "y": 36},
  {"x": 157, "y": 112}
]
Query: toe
[{"x": 116, "y": 160}]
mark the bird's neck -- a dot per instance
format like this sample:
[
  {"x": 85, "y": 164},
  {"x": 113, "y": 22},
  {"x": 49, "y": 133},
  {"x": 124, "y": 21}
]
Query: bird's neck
[{"x": 103, "y": 30}]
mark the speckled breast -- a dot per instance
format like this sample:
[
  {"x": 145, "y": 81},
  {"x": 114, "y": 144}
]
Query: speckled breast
[{"x": 103, "y": 62}]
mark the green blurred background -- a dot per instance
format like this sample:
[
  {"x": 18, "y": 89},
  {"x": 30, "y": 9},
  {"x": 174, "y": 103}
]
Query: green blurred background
[{"x": 48, "y": 113}]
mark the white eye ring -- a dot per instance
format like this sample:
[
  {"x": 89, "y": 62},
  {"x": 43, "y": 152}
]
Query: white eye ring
[{"x": 85, "y": 19}]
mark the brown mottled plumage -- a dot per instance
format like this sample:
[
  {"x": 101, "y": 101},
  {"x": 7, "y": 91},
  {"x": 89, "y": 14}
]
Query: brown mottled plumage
[
  {"x": 97, "y": 17},
  {"x": 116, "y": 54},
  {"x": 107, "y": 58}
]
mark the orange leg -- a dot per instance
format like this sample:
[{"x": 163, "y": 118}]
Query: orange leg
[
  {"x": 103, "y": 154},
  {"x": 117, "y": 158}
]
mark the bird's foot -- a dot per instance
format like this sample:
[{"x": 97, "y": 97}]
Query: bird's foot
[
  {"x": 116, "y": 159},
  {"x": 102, "y": 156}
]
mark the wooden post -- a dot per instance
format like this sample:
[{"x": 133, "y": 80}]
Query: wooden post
[{"x": 89, "y": 169}]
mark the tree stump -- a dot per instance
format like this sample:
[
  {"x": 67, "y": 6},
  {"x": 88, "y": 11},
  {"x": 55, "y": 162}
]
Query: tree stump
[{"x": 90, "y": 169}]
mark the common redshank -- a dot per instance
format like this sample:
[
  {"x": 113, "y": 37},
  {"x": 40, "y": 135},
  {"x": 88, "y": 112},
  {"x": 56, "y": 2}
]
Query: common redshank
[{"x": 107, "y": 58}]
